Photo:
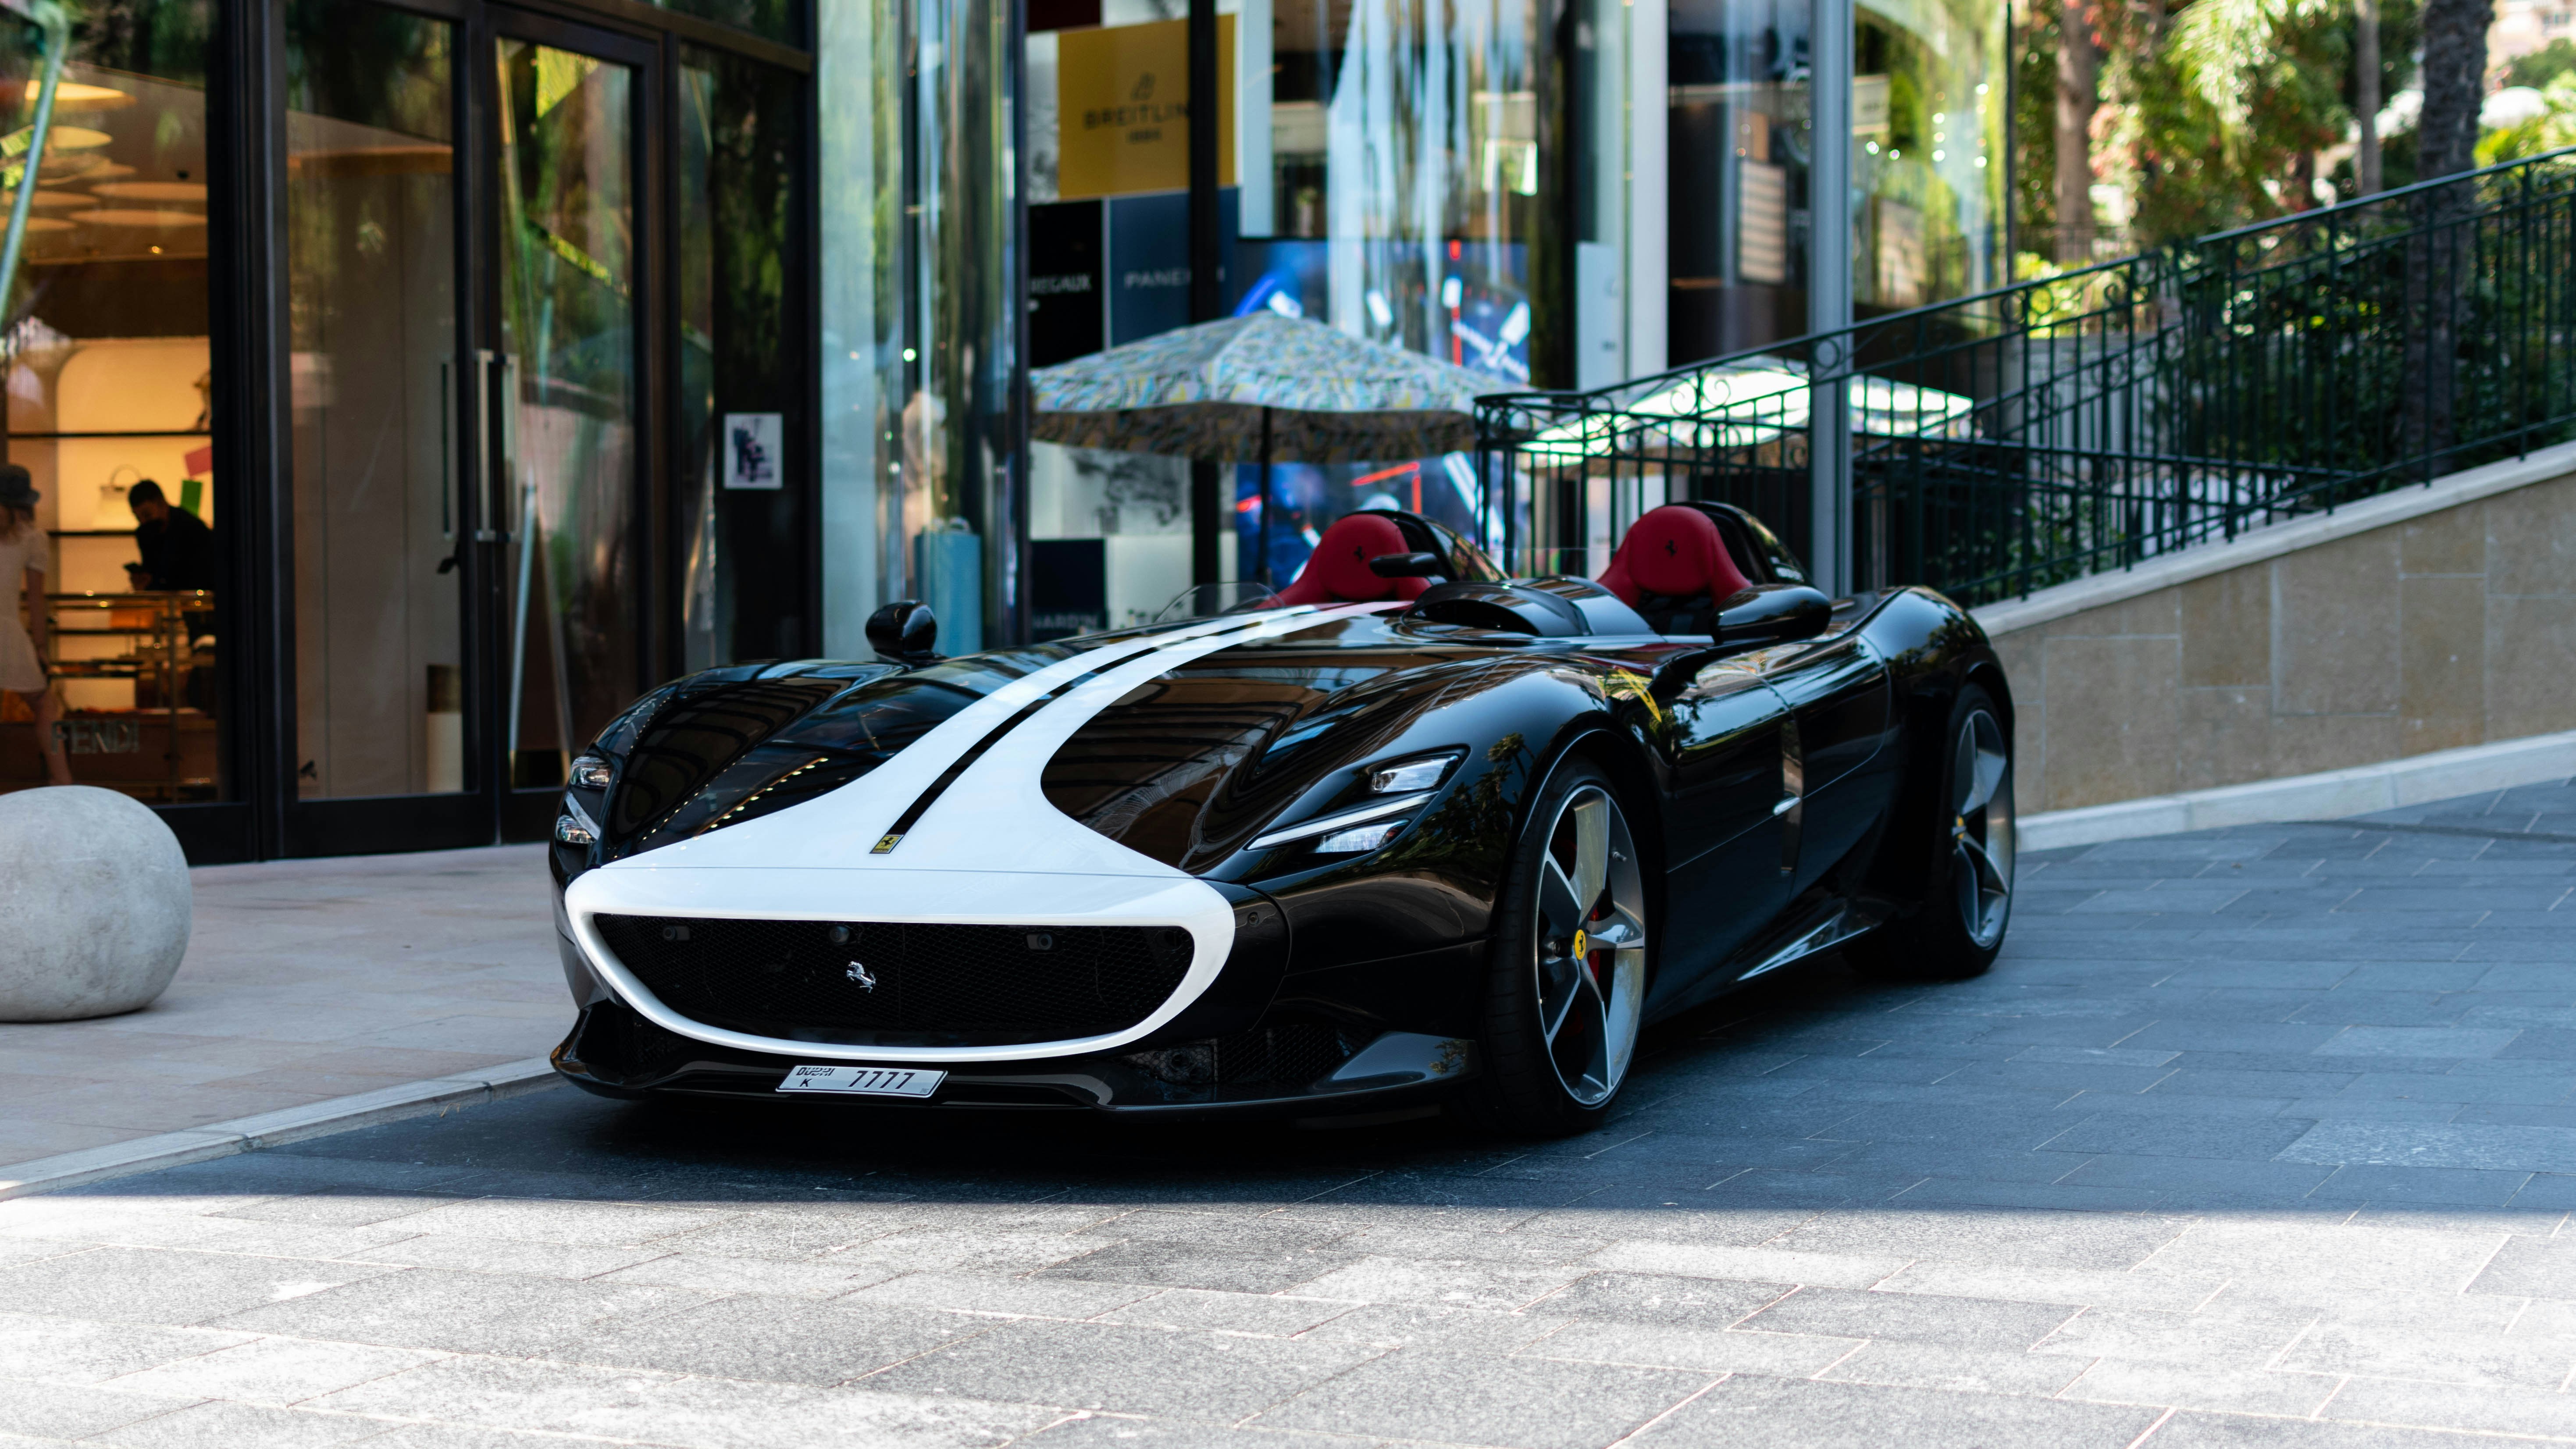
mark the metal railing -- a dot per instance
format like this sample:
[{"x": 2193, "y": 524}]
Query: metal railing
[{"x": 2086, "y": 421}]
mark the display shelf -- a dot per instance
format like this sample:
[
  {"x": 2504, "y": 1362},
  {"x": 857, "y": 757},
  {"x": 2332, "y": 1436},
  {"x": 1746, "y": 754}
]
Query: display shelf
[{"x": 163, "y": 747}]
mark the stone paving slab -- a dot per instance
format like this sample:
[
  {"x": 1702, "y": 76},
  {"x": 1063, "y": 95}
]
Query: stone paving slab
[
  {"x": 305, "y": 981},
  {"x": 2221, "y": 1153}
]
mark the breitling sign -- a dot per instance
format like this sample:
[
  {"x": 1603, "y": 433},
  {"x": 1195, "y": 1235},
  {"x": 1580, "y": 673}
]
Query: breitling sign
[{"x": 1123, "y": 108}]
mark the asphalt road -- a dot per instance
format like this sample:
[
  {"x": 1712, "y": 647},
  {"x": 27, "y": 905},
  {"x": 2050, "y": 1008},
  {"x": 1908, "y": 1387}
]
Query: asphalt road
[{"x": 2263, "y": 1136}]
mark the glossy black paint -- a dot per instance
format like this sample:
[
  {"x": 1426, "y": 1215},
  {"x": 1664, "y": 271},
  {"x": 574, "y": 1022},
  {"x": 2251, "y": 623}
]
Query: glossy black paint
[{"x": 1773, "y": 782}]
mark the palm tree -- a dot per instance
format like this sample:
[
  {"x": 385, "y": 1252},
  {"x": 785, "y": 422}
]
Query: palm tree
[
  {"x": 2455, "y": 63},
  {"x": 2079, "y": 66}
]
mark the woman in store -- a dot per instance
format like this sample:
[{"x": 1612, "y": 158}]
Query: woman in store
[{"x": 22, "y": 666}]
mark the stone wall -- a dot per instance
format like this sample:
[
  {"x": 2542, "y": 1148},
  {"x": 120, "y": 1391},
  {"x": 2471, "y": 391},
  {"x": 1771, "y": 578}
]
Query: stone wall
[{"x": 2422, "y": 620}]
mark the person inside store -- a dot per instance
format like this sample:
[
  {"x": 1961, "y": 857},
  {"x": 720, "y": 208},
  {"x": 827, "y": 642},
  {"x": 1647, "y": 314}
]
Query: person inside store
[
  {"x": 22, "y": 645},
  {"x": 178, "y": 549}
]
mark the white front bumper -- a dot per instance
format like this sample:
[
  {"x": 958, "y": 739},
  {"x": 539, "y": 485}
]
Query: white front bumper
[{"x": 919, "y": 897}]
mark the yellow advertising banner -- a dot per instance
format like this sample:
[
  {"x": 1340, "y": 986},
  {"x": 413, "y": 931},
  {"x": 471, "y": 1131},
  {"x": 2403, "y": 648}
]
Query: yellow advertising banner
[{"x": 1123, "y": 108}]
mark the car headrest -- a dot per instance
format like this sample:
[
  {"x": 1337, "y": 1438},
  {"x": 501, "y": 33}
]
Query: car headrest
[
  {"x": 1338, "y": 571},
  {"x": 1676, "y": 552}
]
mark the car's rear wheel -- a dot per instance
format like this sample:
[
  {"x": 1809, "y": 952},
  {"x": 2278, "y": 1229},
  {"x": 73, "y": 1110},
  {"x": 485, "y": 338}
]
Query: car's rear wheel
[
  {"x": 1957, "y": 928},
  {"x": 1568, "y": 976}
]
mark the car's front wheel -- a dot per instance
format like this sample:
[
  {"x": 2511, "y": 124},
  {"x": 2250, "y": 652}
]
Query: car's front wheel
[{"x": 1567, "y": 985}]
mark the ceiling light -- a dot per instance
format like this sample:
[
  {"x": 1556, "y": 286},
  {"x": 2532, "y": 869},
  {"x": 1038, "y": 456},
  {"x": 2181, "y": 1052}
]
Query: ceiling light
[{"x": 75, "y": 96}]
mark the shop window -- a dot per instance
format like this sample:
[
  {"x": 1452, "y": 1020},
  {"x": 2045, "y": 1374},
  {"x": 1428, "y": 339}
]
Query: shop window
[
  {"x": 1378, "y": 172},
  {"x": 110, "y": 385},
  {"x": 1393, "y": 189},
  {"x": 1928, "y": 137},
  {"x": 571, "y": 434},
  {"x": 744, "y": 574},
  {"x": 1737, "y": 151},
  {"x": 378, "y": 489},
  {"x": 1109, "y": 263}
]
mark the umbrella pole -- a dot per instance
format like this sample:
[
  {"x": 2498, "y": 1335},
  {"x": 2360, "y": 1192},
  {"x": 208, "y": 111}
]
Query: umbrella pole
[{"x": 1264, "y": 574}]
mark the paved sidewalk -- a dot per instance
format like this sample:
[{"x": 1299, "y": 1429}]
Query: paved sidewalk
[
  {"x": 305, "y": 981},
  {"x": 2254, "y": 1137}
]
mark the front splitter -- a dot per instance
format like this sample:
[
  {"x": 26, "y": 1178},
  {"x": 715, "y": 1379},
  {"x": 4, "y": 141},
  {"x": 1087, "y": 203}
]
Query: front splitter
[{"x": 615, "y": 1053}]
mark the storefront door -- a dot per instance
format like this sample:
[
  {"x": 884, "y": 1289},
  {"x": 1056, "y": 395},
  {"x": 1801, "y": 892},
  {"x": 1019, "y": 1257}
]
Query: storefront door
[
  {"x": 467, "y": 254},
  {"x": 566, "y": 452}
]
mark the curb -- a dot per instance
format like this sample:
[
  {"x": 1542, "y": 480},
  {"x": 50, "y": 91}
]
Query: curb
[
  {"x": 2329, "y": 796},
  {"x": 437, "y": 1096}
]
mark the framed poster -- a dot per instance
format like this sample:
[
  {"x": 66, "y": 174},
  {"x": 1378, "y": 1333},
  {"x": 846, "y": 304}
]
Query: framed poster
[{"x": 751, "y": 449}]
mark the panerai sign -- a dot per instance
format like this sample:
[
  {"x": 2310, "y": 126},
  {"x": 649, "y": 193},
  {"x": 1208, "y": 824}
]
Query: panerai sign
[{"x": 1123, "y": 108}]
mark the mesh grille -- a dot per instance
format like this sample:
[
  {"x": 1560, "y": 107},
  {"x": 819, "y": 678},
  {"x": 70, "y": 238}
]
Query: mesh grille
[
  {"x": 1288, "y": 1056},
  {"x": 932, "y": 985},
  {"x": 1291, "y": 1054},
  {"x": 629, "y": 1049}
]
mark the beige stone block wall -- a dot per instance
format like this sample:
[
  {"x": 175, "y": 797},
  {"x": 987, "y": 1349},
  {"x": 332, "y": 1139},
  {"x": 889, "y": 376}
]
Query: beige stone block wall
[{"x": 2452, "y": 628}]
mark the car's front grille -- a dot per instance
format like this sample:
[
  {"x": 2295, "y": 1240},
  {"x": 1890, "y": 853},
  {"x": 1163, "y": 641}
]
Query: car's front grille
[{"x": 894, "y": 984}]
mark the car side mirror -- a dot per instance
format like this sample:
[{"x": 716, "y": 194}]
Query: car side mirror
[
  {"x": 904, "y": 632},
  {"x": 1762, "y": 615},
  {"x": 1408, "y": 566},
  {"x": 1772, "y": 614}
]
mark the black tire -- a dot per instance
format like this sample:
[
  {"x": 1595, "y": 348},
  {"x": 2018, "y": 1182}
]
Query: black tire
[
  {"x": 1548, "y": 983},
  {"x": 1956, "y": 929}
]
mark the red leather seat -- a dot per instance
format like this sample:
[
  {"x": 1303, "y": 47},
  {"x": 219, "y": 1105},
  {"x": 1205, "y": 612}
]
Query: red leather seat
[
  {"x": 1338, "y": 572},
  {"x": 1673, "y": 556}
]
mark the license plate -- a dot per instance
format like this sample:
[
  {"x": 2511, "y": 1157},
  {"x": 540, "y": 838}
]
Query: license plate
[{"x": 864, "y": 1081}]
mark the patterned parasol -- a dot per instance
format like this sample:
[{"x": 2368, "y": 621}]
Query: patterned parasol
[{"x": 1260, "y": 388}]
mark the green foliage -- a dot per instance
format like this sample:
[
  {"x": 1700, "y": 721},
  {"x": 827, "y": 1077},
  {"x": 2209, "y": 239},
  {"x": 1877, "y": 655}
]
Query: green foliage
[
  {"x": 2551, "y": 129},
  {"x": 2034, "y": 124},
  {"x": 2542, "y": 66},
  {"x": 2210, "y": 113}
]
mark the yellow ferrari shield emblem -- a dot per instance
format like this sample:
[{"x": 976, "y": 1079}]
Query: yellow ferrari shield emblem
[{"x": 1582, "y": 942}]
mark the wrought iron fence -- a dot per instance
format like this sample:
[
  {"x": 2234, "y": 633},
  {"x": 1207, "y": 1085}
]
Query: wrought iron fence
[{"x": 2089, "y": 420}]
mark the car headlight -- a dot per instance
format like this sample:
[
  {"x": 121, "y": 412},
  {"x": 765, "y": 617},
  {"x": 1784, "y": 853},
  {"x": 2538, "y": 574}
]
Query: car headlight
[
  {"x": 574, "y": 826},
  {"x": 1361, "y": 839},
  {"x": 590, "y": 772},
  {"x": 1406, "y": 776}
]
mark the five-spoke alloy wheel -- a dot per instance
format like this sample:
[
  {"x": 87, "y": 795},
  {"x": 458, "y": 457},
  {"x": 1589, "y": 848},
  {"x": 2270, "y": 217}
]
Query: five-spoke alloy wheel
[{"x": 1569, "y": 967}]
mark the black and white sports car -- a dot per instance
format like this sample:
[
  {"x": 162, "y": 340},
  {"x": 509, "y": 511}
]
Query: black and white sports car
[{"x": 1408, "y": 831}]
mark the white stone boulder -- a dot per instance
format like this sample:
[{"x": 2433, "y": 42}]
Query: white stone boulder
[{"x": 94, "y": 904}]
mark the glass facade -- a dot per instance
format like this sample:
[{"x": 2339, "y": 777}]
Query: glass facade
[
  {"x": 1396, "y": 188},
  {"x": 742, "y": 258},
  {"x": 1380, "y": 170},
  {"x": 490, "y": 366},
  {"x": 1930, "y": 131},
  {"x": 111, "y": 398},
  {"x": 371, "y": 308},
  {"x": 1739, "y": 138},
  {"x": 1111, "y": 534},
  {"x": 1929, "y": 157},
  {"x": 404, "y": 410}
]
